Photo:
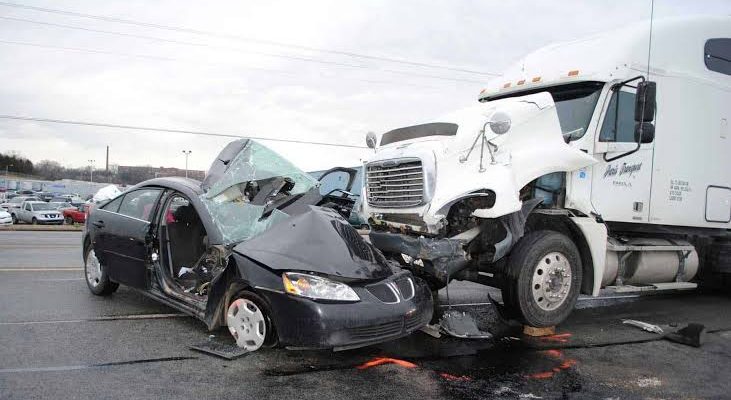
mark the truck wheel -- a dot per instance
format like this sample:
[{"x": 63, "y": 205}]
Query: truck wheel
[
  {"x": 248, "y": 319},
  {"x": 543, "y": 278},
  {"x": 14, "y": 218},
  {"x": 96, "y": 275}
]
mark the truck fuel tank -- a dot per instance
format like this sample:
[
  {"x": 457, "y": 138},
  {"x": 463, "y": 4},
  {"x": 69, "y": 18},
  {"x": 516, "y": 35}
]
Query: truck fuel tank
[{"x": 648, "y": 267}]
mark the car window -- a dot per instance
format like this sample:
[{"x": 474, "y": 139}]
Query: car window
[
  {"x": 139, "y": 203},
  {"x": 27, "y": 207},
  {"x": 113, "y": 205},
  {"x": 619, "y": 121}
]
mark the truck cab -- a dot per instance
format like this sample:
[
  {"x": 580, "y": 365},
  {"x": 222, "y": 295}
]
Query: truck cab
[{"x": 583, "y": 167}]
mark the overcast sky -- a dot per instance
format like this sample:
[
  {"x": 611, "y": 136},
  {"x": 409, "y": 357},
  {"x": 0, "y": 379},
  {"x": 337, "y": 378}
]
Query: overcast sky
[{"x": 235, "y": 79}]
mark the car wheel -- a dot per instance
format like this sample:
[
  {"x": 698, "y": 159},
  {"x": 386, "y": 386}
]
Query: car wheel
[
  {"x": 69, "y": 220},
  {"x": 96, "y": 275},
  {"x": 543, "y": 278},
  {"x": 247, "y": 318},
  {"x": 34, "y": 221},
  {"x": 14, "y": 218}
]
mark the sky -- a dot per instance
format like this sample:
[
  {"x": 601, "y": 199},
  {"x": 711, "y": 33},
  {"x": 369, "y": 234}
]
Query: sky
[{"x": 324, "y": 71}]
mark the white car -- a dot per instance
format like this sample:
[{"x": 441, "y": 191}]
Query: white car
[{"x": 5, "y": 218}]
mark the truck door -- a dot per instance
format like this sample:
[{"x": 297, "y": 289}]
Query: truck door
[{"x": 621, "y": 179}]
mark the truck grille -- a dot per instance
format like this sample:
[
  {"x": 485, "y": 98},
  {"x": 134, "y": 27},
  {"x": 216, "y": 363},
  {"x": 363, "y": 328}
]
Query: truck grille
[{"x": 395, "y": 183}]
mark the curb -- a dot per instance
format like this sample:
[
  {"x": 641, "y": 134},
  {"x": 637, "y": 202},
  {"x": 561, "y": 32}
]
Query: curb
[{"x": 41, "y": 228}]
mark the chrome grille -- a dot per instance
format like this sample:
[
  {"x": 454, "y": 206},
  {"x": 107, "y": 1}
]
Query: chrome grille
[{"x": 395, "y": 183}]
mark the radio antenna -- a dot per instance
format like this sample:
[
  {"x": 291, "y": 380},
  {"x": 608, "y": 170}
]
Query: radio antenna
[{"x": 649, "y": 43}]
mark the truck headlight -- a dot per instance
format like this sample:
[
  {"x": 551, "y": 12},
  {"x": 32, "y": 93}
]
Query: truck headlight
[{"x": 316, "y": 287}]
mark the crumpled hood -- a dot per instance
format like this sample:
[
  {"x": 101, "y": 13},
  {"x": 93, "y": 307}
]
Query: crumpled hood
[{"x": 319, "y": 241}]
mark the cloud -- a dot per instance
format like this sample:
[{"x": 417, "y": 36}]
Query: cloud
[{"x": 240, "y": 91}]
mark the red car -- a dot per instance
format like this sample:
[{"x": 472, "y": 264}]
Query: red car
[{"x": 76, "y": 215}]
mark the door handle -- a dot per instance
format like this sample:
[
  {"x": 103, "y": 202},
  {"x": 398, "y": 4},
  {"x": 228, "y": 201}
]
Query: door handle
[{"x": 98, "y": 224}]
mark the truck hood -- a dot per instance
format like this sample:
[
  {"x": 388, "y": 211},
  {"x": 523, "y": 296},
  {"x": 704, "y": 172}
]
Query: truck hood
[{"x": 318, "y": 241}]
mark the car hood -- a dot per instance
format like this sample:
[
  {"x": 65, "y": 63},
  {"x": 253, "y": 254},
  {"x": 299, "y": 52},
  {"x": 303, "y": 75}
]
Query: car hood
[
  {"x": 320, "y": 241},
  {"x": 4, "y": 214}
]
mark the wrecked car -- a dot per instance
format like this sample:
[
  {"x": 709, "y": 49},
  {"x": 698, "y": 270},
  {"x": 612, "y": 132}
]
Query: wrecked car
[{"x": 257, "y": 248}]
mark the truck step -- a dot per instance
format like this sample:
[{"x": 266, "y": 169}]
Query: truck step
[{"x": 654, "y": 287}]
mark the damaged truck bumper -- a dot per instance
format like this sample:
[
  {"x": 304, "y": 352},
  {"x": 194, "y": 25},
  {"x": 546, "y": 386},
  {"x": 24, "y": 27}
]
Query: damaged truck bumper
[
  {"x": 386, "y": 311},
  {"x": 440, "y": 258}
]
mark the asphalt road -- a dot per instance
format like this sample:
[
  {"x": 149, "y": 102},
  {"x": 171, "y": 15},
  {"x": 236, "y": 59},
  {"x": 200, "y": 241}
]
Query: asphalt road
[{"x": 59, "y": 341}]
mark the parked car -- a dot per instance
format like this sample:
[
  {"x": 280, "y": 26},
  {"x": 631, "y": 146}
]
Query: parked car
[
  {"x": 75, "y": 214},
  {"x": 61, "y": 205},
  {"x": 37, "y": 212},
  {"x": 16, "y": 202},
  {"x": 253, "y": 248},
  {"x": 5, "y": 218},
  {"x": 44, "y": 196}
]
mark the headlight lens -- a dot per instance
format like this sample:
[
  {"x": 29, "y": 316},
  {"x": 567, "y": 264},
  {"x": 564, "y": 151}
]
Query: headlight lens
[{"x": 316, "y": 287}]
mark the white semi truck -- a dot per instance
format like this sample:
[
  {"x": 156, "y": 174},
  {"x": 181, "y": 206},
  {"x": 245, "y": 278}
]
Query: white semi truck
[{"x": 581, "y": 168}]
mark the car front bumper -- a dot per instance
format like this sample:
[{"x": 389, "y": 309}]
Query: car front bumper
[
  {"x": 303, "y": 323},
  {"x": 6, "y": 221},
  {"x": 50, "y": 221}
]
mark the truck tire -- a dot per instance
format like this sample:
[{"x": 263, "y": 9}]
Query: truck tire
[{"x": 543, "y": 279}]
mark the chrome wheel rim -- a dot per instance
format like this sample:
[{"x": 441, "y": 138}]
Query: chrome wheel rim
[
  {"x": 246, "y": 323},
  {"x": 93, "y": 269},
  {"x": 551, "y": 282}
]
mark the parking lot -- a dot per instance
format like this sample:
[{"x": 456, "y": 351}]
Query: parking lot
[{"x": 57, "y": 340}]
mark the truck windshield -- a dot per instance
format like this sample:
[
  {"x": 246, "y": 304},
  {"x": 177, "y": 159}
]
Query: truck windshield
[{"x": 575, "y": 104}]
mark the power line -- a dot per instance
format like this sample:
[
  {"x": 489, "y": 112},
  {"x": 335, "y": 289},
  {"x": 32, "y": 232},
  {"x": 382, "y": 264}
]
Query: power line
[
  {"x": 166, "y": 130},
  {"x": 161, "y": 58},
  {"x": 181, "y": 42},
  {"x": 185, "y": 43},
  {"x": 247, "y": 39}
]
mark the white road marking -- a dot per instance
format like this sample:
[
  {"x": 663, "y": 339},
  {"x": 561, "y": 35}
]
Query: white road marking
[
  {"x": 38, "y": 269},
  {"x": 97, "y": 319}
]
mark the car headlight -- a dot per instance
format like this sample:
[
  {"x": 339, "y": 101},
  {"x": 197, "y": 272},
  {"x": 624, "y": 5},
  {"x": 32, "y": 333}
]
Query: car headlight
[{"x": 316, "y": 287}]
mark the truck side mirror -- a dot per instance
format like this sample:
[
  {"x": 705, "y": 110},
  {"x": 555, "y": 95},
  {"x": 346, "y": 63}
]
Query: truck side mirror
[
  {"x": 371, "y": 140},
  {"x": 644, "y": 132},
  {"x": 645, "y": 101}
]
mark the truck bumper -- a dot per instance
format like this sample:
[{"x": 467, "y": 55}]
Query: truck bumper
[{"x": 442, "y": 258}]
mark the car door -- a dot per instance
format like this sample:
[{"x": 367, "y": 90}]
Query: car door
[
  {"x": 123, "y": 235},
  {"x": 25, "y": 213},
  {"x": 621, "y": 180}
]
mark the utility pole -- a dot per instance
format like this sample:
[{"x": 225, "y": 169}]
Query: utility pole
[
  {"x": 91, "y": 171},
  {"x": 187, "y": 153},
  {"x": 7, "y": 176},
  {"x": 106, "y": 167}
]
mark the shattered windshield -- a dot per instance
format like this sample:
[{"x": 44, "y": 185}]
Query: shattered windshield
[{"x": 244, "y": 201}]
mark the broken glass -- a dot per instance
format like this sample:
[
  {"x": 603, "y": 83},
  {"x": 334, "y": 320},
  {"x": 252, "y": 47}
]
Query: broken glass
[{"x": 229, "y": 200}]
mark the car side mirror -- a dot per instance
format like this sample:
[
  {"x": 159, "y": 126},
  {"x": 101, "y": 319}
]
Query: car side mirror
[
  {"x": 371, "y": 140},
  {"x": 645, "y": 101},
  {"x": 644, "y": 132}
]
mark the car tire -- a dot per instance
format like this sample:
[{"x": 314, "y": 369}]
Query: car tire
[
  {"x": 243, "y": 324},
  {"x": 34, "y": 221},
  {"x": 543, "y": 279},
  {"x": 14, "y": 218},
  {"x": 69, "y": 220},
  {"x": 96, "y": 275}
]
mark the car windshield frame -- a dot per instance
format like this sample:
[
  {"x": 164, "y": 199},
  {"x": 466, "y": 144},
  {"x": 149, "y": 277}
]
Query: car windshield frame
[{"x": 228, "y": 202}]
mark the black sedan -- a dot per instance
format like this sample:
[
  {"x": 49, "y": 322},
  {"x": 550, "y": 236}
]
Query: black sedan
[{"x": 255, "y": 247}]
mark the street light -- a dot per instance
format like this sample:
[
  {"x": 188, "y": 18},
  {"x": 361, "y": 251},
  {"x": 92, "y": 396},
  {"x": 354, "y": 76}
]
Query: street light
[
  {"x": 187, "y": 153},
  {"x": 91, "y": 171}
]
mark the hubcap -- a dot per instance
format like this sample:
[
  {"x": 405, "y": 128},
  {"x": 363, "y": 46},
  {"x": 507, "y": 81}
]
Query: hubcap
[
  {"x": 551, "y": 282},
  {"x": 93, "y": 269},
  {"x": 246, "y": 323}
]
